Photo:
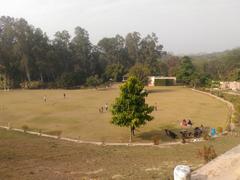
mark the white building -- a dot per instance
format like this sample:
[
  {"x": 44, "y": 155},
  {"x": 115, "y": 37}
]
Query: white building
[
  {"x": 234, "y": 85},
  {"x": 167, "y": 81}
]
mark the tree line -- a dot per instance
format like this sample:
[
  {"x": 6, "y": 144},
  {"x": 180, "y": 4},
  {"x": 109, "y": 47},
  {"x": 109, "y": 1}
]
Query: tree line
[
  {"x": 30, "y": 59},
  {"x": 222, "y": 66},
  {"x": 27, "y": 54}
]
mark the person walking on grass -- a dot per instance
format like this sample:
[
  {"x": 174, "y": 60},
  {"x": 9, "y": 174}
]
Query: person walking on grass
[
  {"x": 155, "y": 107},
  {"x": 45, "y": 99},
  {"x": 106, "y": 107}
]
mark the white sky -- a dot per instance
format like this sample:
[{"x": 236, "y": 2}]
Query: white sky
[{"x": 183, "y": 26}]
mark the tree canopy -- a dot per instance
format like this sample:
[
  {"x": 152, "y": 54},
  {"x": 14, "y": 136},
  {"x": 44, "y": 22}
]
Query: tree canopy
[{"x": 28, "y": 54}]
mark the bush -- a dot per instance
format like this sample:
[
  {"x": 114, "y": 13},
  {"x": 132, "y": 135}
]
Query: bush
[
  {"x": 236, "y": 118},
  {"x": 25, "y": 128},
  {"x": 156, "y": 140},
  {"x": 114, "y": 72},
  {"x": 93, "y": 81},
  {"x": 207, "y": 153},
  {"x": 70, "y": 80}
]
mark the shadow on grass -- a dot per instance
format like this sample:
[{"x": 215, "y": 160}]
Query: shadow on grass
[{"x": 160, "y": 133}]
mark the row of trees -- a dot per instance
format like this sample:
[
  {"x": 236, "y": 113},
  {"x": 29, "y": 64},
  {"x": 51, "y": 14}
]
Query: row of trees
[
  {"x": 29, "y": 58},
  {"x": 27, "y": 54}
]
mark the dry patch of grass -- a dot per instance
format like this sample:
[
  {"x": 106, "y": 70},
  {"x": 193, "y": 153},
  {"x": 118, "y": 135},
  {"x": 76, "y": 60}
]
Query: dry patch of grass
[
  {"x": 77, "y": 116},
  {"x": 32, "y": 157}
]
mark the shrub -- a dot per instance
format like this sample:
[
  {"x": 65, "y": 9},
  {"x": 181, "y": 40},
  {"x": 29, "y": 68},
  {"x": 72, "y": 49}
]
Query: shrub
[
  {"x": 207, "y": 153},
  {"x": 69, "y": 80},
  {"x": 114, "y": 72},
  {"x": 156, "y": 140},
  {"x": 25, "y": 128},
  {"x": 93, "y": 81},
  {"x": 236, "y": 118}
]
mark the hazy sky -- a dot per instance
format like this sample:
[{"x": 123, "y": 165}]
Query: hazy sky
[{"x": 183, "y": 26}]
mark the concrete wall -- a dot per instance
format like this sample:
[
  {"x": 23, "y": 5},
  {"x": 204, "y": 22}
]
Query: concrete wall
[{"x": 234, "y": 85}]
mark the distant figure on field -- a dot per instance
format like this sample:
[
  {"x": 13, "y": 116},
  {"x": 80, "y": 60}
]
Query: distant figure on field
[
  {"x": 183, "y": 123},
  {"x": 106, "y": 107},
  {"x": 189, "y": 123},
  {"x": 64, "y": 95},
  {"x": 155, "y": 107},
  {"x": 101, "y": 110},
  {"x": 44, "y": 98},
  {"x": 197, "y": 132}
]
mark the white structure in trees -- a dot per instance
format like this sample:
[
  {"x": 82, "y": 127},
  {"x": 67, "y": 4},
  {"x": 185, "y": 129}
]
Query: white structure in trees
[
  {"x": 234, "y": 85},
  {"x": 153, "y": 79}
]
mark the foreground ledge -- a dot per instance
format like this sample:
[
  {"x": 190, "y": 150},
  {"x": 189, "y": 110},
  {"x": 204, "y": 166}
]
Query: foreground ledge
[{"x": 224, "y": 167}]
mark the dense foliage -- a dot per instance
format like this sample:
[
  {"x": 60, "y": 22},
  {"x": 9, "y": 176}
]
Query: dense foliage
[
  {"x": 223, "y": 66},
  {"x": 30, "y": 59},
  {"x": 27, "y": 54}
]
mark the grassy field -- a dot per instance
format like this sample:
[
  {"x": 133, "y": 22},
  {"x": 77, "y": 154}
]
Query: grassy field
[
  {"x": 77, "y": 115},
  {"x": 31, "y": 157}
]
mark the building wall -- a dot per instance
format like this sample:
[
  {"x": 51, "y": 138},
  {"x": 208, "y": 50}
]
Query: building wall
[
  {"x": 235, "y": 86},
  {"x": 152, "y": 79}
]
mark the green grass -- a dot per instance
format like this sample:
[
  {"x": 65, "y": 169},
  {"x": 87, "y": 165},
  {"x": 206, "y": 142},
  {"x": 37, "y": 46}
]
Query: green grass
[{"x": 78, "y": 116}]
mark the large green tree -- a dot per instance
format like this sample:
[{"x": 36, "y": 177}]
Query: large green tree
[
  {"x": 140, "y": 71},
  {"x": 130, "y": 109},
  {"x": 186, "y": 70},
  {"x": 28, "y": 54}
]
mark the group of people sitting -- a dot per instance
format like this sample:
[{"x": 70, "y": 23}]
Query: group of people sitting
[
  {"x": 196, "y": 133},
  {"x": 186, "y": 123}
]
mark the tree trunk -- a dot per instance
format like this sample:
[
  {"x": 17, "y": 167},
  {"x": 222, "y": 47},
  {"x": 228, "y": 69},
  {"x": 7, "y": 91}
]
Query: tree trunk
[
  {"x": 131, "y": 133},
  {"x": 41, "y": 77},
  {"x": 28, "y": 74},
  {"x": 5, "y": 82},
  {"x": 26, "y": 67}
]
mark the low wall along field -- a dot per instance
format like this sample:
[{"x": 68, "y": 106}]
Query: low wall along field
[{"x": 77, "y": 115}]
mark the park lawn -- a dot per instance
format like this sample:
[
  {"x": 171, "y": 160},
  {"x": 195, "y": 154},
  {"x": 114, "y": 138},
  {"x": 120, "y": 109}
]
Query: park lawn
[
  {"x": 27, "y": 156},
  {"x": 77, "y": 116}
]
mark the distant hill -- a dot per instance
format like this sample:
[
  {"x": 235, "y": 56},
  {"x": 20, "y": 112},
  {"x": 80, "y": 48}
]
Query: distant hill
[
  {"x": 225, "y": 55},
  {"x": 220, "y": 65}
]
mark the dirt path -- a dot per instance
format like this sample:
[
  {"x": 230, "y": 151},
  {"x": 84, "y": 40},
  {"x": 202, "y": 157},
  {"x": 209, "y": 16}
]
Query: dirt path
[{"x": 98, "y": 142}]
